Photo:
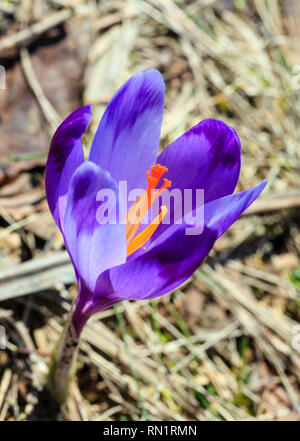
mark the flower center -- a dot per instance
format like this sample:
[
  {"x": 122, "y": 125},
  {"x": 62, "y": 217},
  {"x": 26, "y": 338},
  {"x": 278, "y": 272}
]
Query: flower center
[{"x": 139, "y": 209}]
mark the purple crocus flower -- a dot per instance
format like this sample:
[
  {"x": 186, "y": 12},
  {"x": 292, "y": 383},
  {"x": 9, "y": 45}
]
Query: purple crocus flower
[{"x": 114, "y": 262}]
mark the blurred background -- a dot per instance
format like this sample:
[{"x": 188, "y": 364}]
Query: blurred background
[{"x": 226, "y": 345}]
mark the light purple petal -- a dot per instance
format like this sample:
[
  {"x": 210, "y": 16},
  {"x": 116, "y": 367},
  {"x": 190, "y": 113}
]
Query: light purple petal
[
  {"x": 126, "y": 142},
  {"x": 170, "y": 260},
  {"x": 93, "y": 247},
  {"x": 65, "y": 155},
  {"x": 163, "y": 268},
  {"x": 153, "y": 274}
]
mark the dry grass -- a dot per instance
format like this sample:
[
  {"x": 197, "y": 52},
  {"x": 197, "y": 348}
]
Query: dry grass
[{"x": 226, "y": 344}]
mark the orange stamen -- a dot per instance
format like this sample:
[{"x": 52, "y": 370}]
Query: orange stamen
[
  {"x": 157, "y": 171},
  {"x": 145, "y": 235},
  {"x": 139, "y": 209}
]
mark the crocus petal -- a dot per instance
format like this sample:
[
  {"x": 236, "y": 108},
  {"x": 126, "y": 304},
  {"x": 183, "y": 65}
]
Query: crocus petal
[
  {"x": 207, "y": 157},
  {"x": 223, "y": 212},
  {"x": 65, "y": 155},
  {"x": 174, "y": 256},
  {"x": 88, "y": 303},
  {"x": 93, "y": 245},
  {"x": 161, "y": 269},
  {"x": 127, "y": 139}
]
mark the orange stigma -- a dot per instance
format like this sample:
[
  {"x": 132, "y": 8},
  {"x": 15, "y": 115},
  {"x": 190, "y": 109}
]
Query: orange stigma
[{"x": 139, "y": 209}]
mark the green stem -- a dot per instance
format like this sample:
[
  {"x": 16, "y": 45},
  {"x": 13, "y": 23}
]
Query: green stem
[{"x": 63, "y": 363}]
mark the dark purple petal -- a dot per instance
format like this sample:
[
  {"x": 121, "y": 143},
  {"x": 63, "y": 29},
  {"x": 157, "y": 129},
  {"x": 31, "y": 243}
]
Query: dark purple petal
[
  {"x": 208, "y": 157},
  {"x": 169, "y": 261},
  {"x": 126, "y": 142},
  {"x": 92, "y": 245},
  {"x": 65, "y": 155},
  {"x": 88, "y": 303},
  {"x": 174, "y": 256},
  {"x": 223, "y": 212}
]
